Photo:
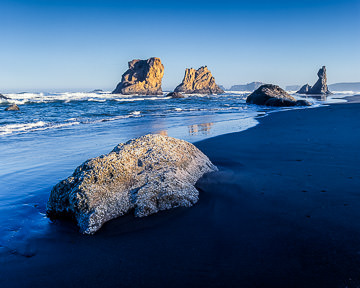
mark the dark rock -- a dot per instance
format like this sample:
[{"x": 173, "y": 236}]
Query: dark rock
[
  {"x": 280, "y": 102},
  {"x": 175, "y": 95},
  {"x": 320, "y": 87},
  {"x": 96, "y": 91},
  {"x": 303, "y": 103},
  {"x": 142, "y": 78},
  {"x": 13, "y": 107},
  {"x": 247, "y": 87},
  {"x": 304, "y": 89},
  {"x": 4, "y": 97},
  {"x": 272, "y": 95},
  {"x": 198, "y": 81},
  {"x": 144, "y": 176}
]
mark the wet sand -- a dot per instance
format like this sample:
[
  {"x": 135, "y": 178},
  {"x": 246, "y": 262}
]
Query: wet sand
[{"x": 283, "y": 211}]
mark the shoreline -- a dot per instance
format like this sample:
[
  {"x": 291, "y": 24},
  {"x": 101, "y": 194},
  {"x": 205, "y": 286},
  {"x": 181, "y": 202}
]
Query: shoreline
[{"x": 281, "y": 212}]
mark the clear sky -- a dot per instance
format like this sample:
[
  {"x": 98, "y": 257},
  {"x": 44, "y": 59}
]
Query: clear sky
[{"x": 49, "y": 45}]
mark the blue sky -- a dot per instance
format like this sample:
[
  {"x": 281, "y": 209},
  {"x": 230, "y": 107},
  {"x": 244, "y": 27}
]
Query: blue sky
[{"x": 85, "y": 45}]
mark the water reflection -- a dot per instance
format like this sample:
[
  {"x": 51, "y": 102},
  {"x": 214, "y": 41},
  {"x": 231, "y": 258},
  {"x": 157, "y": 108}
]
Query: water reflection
[
  {"x": 203, "y": 129},
  {"x": 162, "y": 132},
  {"x": 322, "y": 97}
]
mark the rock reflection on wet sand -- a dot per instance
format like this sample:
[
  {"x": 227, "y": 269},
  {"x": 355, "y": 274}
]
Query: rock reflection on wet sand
[{"x": 203, "y": 129}]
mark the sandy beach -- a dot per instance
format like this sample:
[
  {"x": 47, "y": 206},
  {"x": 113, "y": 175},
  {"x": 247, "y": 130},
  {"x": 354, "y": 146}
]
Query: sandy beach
[{"x": 282, "y": 212}]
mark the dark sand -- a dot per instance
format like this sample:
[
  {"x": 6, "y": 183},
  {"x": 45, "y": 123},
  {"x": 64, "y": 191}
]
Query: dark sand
[{"x": 284, "y": 211}]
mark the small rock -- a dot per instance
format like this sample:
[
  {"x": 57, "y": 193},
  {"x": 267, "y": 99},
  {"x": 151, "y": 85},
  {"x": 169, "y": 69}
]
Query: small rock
[
  {"x": 175, "y": 95},
  {"x": 13, "y": 107},
  {"x": 96, "y": 91},
  {"x": 304, "y": 89},
  {"x": 303, "y": 103}
]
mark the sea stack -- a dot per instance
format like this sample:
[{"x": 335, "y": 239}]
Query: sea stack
[
  {"x": 272, "y": 95},
  {"x": 143, "y": 176},
  {"x": 198, "y": 81},
  {"x": 320, "y": 87},
  {"x": 142, "y": 78}
]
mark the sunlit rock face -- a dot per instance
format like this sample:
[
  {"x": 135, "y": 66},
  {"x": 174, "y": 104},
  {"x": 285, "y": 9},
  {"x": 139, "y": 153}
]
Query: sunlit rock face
[
  {"x": 320, "y": 87},
  {"x": 198, "y": 81},
  {"x": 144, "y": 175},
  {"x": 272, "y": 95},
  {"x": 142, "y": 78}
]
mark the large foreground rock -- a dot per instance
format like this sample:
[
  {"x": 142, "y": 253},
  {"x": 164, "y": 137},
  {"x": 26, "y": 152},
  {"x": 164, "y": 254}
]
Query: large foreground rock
[
  {"x": 320, "y": 87},
  {"x": 147, "y": 174},
  {"x": 198, "y": 81},
  {"x": 142, "y": 78},
  {"x": 272, "y": 95}
]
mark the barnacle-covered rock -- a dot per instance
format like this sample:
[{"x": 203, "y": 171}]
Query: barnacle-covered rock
[{"x": 147, "y": 174}]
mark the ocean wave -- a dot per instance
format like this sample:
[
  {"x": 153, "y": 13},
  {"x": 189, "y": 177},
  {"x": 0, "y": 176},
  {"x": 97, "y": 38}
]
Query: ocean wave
[
  {"x": 29, "y": 127},
  {"x": 14, "y": 128},
  {"x": 42, "y": 125},
  {"x": 66, "y": 97},
  {"x": 131, "y": 99},
  {"x": 345, "y": 92},
  {"x": 96, "y": 100}
]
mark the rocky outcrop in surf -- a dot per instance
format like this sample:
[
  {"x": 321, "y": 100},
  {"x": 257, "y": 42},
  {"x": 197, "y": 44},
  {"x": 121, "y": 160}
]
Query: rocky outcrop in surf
[
  {"x": 320, "y": 87},
  {"x": 198, "y": 81},
  {"x": 13, "y": 107},
  {"x": 272, "y": 95},
  {"x": 144, "y": 175},
  {"x": 175, "y": 95},
  {"x": 304, "y": 89},
  {"x": 142, "y": 78}
]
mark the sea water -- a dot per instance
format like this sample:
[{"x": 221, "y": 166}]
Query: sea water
[{"x": 53, "y": 133}]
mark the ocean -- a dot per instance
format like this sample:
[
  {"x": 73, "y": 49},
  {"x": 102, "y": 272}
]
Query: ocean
[{"x": 53, "y": 133}]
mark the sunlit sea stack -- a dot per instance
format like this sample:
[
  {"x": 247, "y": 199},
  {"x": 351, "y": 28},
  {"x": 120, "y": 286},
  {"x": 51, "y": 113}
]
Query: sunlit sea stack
[
  {"x": 142, "y": 78},
  {"x": 198, "y": 81}
]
